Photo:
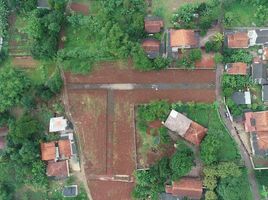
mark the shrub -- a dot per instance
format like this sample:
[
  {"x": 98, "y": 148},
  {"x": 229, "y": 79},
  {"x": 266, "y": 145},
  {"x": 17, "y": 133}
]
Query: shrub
[
  {"x": 195, "y": 54},
  {"x": 161, "y": 63},
  {"x": 218, "y": 58}
]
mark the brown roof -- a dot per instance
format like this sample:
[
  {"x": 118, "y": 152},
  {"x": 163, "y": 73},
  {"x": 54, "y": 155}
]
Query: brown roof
[
  {"x": 58, "y": 169},
  {"x": 151, "y": 45},
  {"x": 262, "y": 138},
  {"x": 207, "y": 62},
  {"x": 195, "y": 133},
  {"x": 238, "y": 40},
  {"x": 237, "y": 68},
  {"x": 261, "y": 120},
  {"x": 48, "y": 151},
  {"x": 153, "y": 25},
  {"x": 265, "y": 53},
  {"x": 186, "y": 187},
  {"x": 65, "y": 148},
  {"x": 182, "y": 38}
]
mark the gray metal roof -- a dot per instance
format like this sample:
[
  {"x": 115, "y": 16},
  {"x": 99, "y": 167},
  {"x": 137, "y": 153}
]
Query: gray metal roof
[
  {"x": 70, "y": 191},
  {"x": 259, "y": 73},
  {"x": 165, "y": 196},
  {"x": 239, "y": 98},
  {"x": 265, "y": 92},
  {"x": 262, "y": 36},
  {"x": 43, "y": 4}
]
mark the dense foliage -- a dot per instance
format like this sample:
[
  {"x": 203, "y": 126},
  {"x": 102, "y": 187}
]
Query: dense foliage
[
  {"x": 234, "y": 55},
  {"x": 12, "y": 86},
  {"x": 3, "y": 18}
]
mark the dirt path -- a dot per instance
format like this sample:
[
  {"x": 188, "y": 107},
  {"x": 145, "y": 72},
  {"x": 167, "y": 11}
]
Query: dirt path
[{"x": 232, "y": 131}]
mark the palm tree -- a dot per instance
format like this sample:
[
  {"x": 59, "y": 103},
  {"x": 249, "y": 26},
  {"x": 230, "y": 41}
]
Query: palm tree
[{"x": 218, "y": 37}]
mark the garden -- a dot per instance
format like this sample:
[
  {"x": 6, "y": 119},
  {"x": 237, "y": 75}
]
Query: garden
[{"x": 218, "y": 153}]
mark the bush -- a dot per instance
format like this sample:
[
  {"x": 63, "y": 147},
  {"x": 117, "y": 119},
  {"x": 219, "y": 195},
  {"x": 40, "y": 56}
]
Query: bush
[
  {"x": 218, "y": 58},
  {"x": 44, "y": 92},
  {"x": 161, "y": 63},
  {"x": 195, "y": 54},
  {"x": 55, "y": 83},
  {"x": 3, "y": 18},
  {"x": 164, "y": 136}
]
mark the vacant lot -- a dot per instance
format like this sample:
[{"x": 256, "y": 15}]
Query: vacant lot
[{"x": 104, "y": 117}]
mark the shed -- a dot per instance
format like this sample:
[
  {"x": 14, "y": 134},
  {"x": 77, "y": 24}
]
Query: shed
[
  {"x": 153, "y": 24},
  {"x": 151, "y": 47},
  {"x": 259, "y": 73},
  {"x": 70, "y": 191},
  {"x": 242, "y": 98},
  {"x": 57, "y": 124},
  {"x": 58, "y": 170},
  {"x": 43, "y": 4}
]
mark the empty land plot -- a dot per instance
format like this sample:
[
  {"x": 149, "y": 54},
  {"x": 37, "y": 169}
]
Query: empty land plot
[{"x": 88, "y": 109}]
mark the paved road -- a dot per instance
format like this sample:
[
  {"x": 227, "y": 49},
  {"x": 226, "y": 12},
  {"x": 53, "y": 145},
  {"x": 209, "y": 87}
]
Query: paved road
[
  {"x": 134, "y": 86},
  {"x": 242, "y": 149}
]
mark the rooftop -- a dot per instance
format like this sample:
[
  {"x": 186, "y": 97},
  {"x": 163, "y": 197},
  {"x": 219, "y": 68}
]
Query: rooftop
[
  {"x": 57, "y": 124},
  {"x": 43, "y": 4},
  {"x": 70, "y": 191},
  {"x": 237, "y": 68},
  {"x": 238, "y": 40},
  {"x": 265, "y": 93},
  {"x": 242, "y": 98},
  {"x": 151, "y": 47},
  {"x": 48, "y": 151},
  {"x": 183, "y": 38},
  {"x": 186, "y": 187},
  {"x": 153, "y": 24},
  {"x": 195, "y": 133},
  {"x": 259, "y": 73},
  {"x": 58, "y": 169}
]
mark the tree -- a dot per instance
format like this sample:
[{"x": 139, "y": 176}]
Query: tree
[
  {"x": 210, "y": 195},
  {"x": 12, "y": 86},
  {"x": 218, "y": 37},
  {"x": 210, "y": 182},
  {"x": 6, "y": 192},
  {"x": 218, "y": 58},
  {"x": 181, "y": 162},
  {"x": 195, "y": 54},
  {"x": 141, "y": 61},
  {"x": 161, "y": 63},
  {"x": 39, "y": 174},
  {"x": 3, "y": 18}
]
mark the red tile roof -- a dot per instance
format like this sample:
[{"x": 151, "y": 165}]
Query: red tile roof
[
  {"x": 58, "y": 169},
  {"x": 186, "y": 187},
  {"x": 262, "y": 140},
  {"x": 153, "y": 25},
  {"x": 65, "y": 149},
  {"x": 207, "y": 62},
  {"x": 151, "y": 45},
  {"x": 48, "y": 151},
  {"x": 195, "y": 133},
  {"x": 183, "y": 38},
  {"x": 265, "y": 53},
  {"x": 238, "y": 40},
  {"x": 237, "y": 68}
]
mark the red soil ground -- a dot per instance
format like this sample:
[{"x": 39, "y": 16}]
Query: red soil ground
[
  {"x": 106, "y": 126},
  {"x": 79, "y": 7}
]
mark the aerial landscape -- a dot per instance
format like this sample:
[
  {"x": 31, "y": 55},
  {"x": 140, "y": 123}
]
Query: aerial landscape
[{"x": 133, "y": 99}]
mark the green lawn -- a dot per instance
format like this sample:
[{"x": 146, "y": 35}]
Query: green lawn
[{"x": 165, "y": 8}]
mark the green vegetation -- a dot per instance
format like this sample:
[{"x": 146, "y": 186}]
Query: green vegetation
[
  {"x": 3, "y": 18},
  {"x": 236, "y": 55},
  {"x": 261, "y": 177},
  {"x": 151, "y": 182}
]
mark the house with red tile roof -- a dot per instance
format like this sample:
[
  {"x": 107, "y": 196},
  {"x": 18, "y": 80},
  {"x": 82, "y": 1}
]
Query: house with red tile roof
[
  {"x": 239, "y": 39},
  {"x": 58, "y": 170},
  {"x": 182, "y": 39},
  {"x": 151, "y": 47},
  {"x": 256, "y": 123},
  {"x": 185, "y": 127},
  {"x": 186, "y": 187},
  {"x": 153, "y": 24},
  {"x": 238, "y": 68}
]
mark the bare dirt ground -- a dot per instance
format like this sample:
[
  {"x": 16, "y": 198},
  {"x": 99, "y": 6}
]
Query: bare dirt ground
[
  {"x": 79, "y": 7},
  {"x": 105, "y": 119}
]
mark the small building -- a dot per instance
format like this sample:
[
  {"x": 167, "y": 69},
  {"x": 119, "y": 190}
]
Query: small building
[
  {"x": 43, "y": 4},
  {"x": 242, "y": 98},
  {"x": 56, "y": 150},
  {"x": 259, "y": 73},
  {"x": 237, "y": 39},
  {"x": 185, "y": 127},
  {"x": 265, "y": 53},
  {"x": 57, "y": 124},
  {"x": 151, "y": 47},
  {"x": 70, "y": 191},
  {"x": 258, "y": 36},
  {"x": 58, "y": 170},
  {"x": 265, "y": 93},
  {"x": 238, "y": 68},
  {"x": 186, "y": 187},
  {"x": 153, "y": 24},
  {"x": 183, "y": 39}
]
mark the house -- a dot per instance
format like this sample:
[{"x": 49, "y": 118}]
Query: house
[
  {"x": 56, "y": 150},
  {"x": 258, "y": 36},
  {"x": 3, "y": 134},
  {"x": 265, "y": 53},
  {"x": 70, "y": 191},
  {"x": 58, "y": 170},
  {"x": 186, "y": 187},
  {"x": 43, "y": 4},
  {"x": 259, "y": 73},
  {"x": 238, "y": 39},
  {"x": 57, "y": 124},
  {"x": 242, "y": 98},
  {"x": 265, "y": 93},
  {"x": 153, "y": 24},
  {"x": 185, "y": 127},
  {"x": 151, "y": 47},
  {"x": 256, "y": 123},
  {"x": 183, "y": 39},
  {"x": 207, "y": 62},
  {"x": 237, "y": 68}
]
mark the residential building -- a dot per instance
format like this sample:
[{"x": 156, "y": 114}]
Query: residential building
[
  {"x": 153, "y": 24},
  {"x": 258, "y": 36},
  {"x": 43, "y": 4},
  {"x": 237, "y": 39},
  {"x": 259, "y": 73},
  {"x": 265, "y": 93},
  {"x": 238, "y": 68},
  {"x": 151, "y": 47},
  {"x": 256, "y": 123},
  {"x": 58, "y": 124},
  {"x": 58, "y": 170},
  {"x": 185, "y": 127},
  {"x": 265, "y": 53},
  {"x": 186, "y": 187},
  {"x": 242, "y": 98},
  {"x": 183, "y": 39}
]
